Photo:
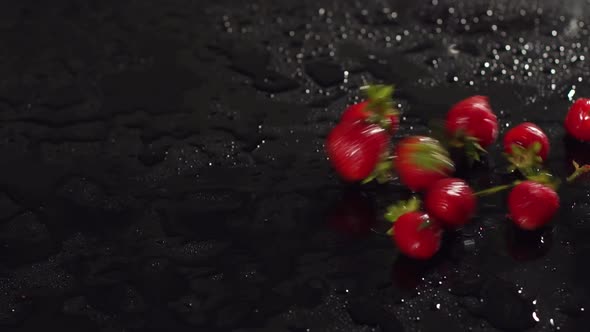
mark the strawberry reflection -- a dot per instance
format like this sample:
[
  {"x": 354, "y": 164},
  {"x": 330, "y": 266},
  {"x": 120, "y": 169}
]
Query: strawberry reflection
[
  {"x": 528, "y": 245},
  {"x": 575, "y": 151},
  {"x": 407, "y": 273},
  {"x": 353, "y": 215}
]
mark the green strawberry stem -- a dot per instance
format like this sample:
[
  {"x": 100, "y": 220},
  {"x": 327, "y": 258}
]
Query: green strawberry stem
[
  {"x": 545, "y": 178},
  {"x": 432, "y": 156},
  {"x": 383, "y": 171},
  {"x": 380, "y": 99},
  {"x": 540, "y": 176},
  {"x": 473, "y": 150},
  {"x": 380, "y": 105},
  {"x": 493, "y": 190},
  {"x": 402, "y": 207},
  {"x": 579, "y": 170},
  {"x": 526, "y": 160}
]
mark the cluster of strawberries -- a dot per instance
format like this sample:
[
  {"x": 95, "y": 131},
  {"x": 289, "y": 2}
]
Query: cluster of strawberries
[{"x": 360, "y": 150}]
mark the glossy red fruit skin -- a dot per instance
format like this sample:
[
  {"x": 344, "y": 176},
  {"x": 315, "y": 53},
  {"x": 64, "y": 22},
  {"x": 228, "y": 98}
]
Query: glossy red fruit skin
[
  {"x": 524, "y": 135},
  {"x": 414, "y": 240},
  {"x": 355, "y": 148},
  {"x": 451, "y": 202},
  {"x": 577, "y": 120},
  {"x": 475, "y": 118},
  {"x": 412, "y": 175},
  {"x": 532, "y": 205},
  {"x": 357, "y": 112}
]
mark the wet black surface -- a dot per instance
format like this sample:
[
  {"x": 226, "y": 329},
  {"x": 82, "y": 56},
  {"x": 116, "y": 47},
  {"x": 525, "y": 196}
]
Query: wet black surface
[{"x": 163, "y": 168}]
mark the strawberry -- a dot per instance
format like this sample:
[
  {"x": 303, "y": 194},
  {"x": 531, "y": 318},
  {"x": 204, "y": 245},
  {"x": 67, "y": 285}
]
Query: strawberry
[
  {"x": 361, "y": 112},
  {"x": 416, "y": 235},
  {"x": 577, "y": 120},
  {"x": 526, "y": 147},
  {"x": 451, "y": 202},
  {"x": 526, "y": 137},
  {"x": 532, "y": 204},
  {"x": 420, "y": 161},
  {"x": 472, "y": 124},
  {"x": 355, "y": 149},
  {"x": 356, "y": 112}
]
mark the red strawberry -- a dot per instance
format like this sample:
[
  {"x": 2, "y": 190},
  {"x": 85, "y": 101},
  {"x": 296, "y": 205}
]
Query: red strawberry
[
  {"x": 472, "y": 123},
  {"x": 532, "y": 204},
  {"x": 416, "y": 235},
  {"x": 361, "y": 112},
  {"x": 526, "y": 135},
  {"x": 356, "y": 112},
  {"x": 355, "y": 148},
  {"x": 450, "y": 202},
  {"x": 420, "y": 161},
  {"x": 577, "y": 121}
]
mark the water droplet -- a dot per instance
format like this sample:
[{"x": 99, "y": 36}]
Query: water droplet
[
  {"x": 571, "y": 93},
  {"x": 469, "y": 244}
]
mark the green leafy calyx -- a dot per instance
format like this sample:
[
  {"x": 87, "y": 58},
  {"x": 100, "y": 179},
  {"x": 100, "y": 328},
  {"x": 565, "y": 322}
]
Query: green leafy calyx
[
  {"x": 430, "y": 155},
  {"x": 400, "y": 208},
  {"x": 380, "y": 106}
]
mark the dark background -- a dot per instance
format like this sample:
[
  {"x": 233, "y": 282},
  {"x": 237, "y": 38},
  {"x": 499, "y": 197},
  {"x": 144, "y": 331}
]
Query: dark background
[{"x": 162, "y": 165}]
